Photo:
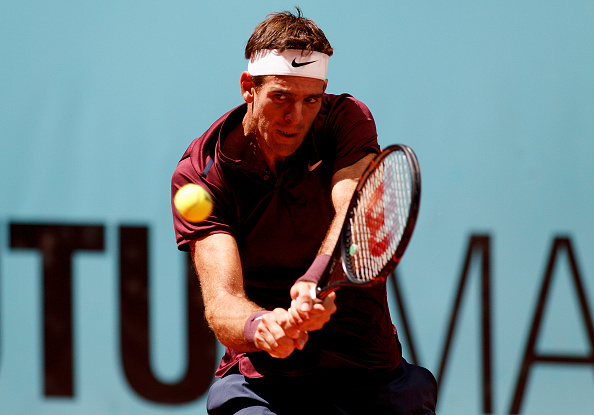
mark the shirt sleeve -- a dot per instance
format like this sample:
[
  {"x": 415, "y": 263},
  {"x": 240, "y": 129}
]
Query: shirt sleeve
[{"x": 191, "y": 170}]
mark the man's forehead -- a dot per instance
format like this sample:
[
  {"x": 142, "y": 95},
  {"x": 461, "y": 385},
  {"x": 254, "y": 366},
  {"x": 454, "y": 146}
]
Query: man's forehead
[{"x": 293, "y": 83}]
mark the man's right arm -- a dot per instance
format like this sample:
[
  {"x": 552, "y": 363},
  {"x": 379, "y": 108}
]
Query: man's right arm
[{"x": 218, "y": 265}]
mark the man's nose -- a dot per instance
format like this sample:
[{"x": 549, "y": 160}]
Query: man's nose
[{"x": 294, "y": 114}]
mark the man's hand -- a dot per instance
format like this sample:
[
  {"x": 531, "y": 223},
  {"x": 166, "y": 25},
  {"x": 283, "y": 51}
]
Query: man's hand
[
  {"x": 277, "y": 334},
  {"x": 310, "y": 314}
]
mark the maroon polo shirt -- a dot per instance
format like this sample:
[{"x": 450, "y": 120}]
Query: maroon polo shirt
[{"x": 279, "y": 222}]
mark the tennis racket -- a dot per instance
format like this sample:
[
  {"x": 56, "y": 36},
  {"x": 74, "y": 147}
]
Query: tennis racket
[{"x": 379, "y": 223}]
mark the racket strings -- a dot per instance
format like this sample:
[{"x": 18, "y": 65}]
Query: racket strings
[{"x": 380, "y": 217}]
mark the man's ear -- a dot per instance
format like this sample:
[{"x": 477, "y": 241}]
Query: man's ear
[
  {"x": 247, "y": 87},
  {"x": 325, "y": 85}
]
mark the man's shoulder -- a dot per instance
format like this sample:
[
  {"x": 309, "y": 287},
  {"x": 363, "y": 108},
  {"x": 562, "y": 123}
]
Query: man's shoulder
[
  {"x": 338, "y": 99},
  {"x": 345, "y": 103},
  {"x": 222, "y": 126},
  {"x": 344, "y": 130},
  {"x": 202, "y": 150}
]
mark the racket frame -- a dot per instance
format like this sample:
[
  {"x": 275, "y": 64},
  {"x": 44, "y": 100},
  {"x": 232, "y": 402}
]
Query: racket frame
[{"x": 342, "y": 250}]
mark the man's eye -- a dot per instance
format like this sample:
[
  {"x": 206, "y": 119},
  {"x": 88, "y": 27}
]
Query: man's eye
[{"x": 280, "y": 97}]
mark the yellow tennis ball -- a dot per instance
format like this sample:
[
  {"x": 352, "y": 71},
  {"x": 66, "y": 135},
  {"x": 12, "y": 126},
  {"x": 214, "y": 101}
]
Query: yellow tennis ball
[{"x": 193, "y": 203}]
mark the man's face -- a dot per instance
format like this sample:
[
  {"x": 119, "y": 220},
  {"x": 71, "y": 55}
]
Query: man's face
[{"x": 283, "y": 110}]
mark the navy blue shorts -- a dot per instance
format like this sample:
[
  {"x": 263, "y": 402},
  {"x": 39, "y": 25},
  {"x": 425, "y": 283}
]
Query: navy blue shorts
[{"x": 411, "y": 390}]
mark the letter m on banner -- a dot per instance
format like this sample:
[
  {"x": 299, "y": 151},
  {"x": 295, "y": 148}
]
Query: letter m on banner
[
  {"x": 479, "y": 249},
  {"x": 479, "y": 246}
]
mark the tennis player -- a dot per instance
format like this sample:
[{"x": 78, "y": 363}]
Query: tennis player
[{"x": 281, "y": 169}]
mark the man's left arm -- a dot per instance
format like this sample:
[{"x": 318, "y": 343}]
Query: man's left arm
[{"x": 312, "y": 314}]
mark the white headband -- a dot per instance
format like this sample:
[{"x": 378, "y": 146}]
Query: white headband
[{"x": 294, "y": 62}]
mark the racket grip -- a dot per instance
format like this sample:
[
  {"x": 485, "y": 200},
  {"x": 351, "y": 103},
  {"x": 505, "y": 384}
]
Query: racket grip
[{"x": 318, "y": 293}]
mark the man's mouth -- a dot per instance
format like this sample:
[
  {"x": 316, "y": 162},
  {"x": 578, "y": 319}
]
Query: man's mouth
[{"x": 287, "y": 134}]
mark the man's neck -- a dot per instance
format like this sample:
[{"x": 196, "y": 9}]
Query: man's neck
[
  {"x": 241, "y": 146},
  {"x": 249, "y": 134}
]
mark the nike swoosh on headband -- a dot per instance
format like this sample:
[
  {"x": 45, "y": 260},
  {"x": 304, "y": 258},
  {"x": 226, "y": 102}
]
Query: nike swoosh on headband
[
  {"x": 290, "y": 62},
  {"x": 296, "y": 64},
  {"x": 311, "y": 167}
]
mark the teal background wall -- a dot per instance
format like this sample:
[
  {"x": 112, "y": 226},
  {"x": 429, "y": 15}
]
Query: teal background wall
[{"x": 98, "y": 101}]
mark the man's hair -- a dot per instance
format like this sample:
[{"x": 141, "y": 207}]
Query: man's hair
[{"x": 284, "y": 30}]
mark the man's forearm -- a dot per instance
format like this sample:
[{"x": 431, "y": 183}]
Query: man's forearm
[
  {"x": 226, "y": 307},
  {"x": 344, "y": 183}
]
